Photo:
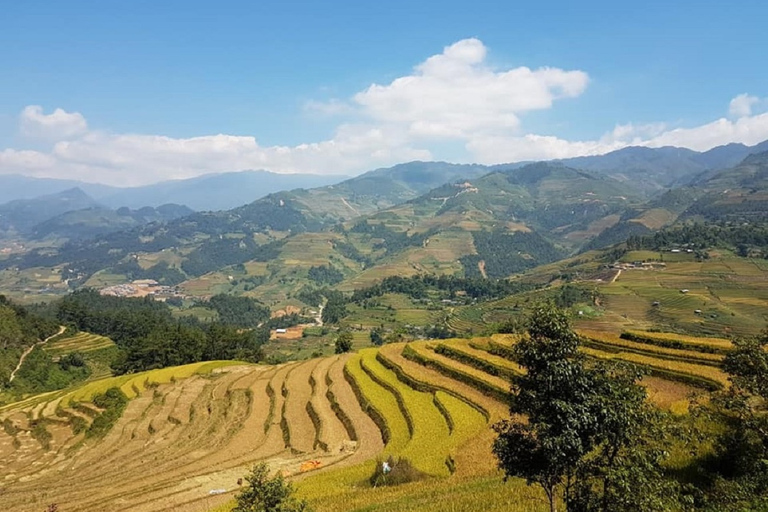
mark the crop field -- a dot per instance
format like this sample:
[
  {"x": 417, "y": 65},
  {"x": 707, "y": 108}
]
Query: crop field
[
  {"x": 613, "y": 343},
  {"x": 323, "y": 422},
  {"x": 80, "y": 342},
  {"x": 722, "y": 296}
]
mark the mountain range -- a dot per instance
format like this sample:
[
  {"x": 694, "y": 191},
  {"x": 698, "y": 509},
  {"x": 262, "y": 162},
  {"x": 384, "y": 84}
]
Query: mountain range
[
  {"x": 207, "y": 192},
  {"x": 433, "y": 217}
]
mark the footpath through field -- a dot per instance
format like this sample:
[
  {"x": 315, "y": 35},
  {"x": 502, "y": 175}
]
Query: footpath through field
[{"x": 30, "y": 349}]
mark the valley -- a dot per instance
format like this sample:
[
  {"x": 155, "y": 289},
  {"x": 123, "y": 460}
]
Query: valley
[{"x": 193, "y": 347}]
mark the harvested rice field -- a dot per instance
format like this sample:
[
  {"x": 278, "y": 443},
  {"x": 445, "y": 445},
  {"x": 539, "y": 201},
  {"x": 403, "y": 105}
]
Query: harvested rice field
[{"x": 189, "y": 433}]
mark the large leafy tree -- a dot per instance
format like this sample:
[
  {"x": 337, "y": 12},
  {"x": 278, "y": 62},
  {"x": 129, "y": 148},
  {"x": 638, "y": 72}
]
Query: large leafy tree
[
  {"x": 579, "y": 429},
  {"x": 740, "y": 463}
]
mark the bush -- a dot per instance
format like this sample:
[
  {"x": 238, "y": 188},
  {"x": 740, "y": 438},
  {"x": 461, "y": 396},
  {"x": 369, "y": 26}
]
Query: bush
[
  {"x": 400, "y": 471},
  {"x": 344, "y": 342},
  {"x": 114, "y": 402},
  {"x": 267, "y": 494}
]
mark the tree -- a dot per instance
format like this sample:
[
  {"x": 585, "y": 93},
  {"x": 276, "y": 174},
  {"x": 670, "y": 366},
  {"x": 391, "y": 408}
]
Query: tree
[
  {"x": 740, "y": 463},
  {"x": 10, "y": 331},
  {"x": 268, "y": 494},
  {"x": 344, "y": 342},
  {"x": 585, "y": 440},
  {"x": 377, "y": 336}
]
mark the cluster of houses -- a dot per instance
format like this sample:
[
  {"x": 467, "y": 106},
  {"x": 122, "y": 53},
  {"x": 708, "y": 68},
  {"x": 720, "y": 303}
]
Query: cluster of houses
[
  {"x": 143, "y": 288},
  {"x": 642, "y": 265}
]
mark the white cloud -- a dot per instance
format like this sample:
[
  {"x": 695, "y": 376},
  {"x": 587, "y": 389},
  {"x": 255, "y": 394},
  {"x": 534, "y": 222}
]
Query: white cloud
[
  {"x": 452, "y": 98},
  {"x": 747, "y": 130},
  {"x": 741, "y": 105},
  {"x": 58, "y": 125},
  {"x": 456, "y": 95},
  {"x": 130, "y": 159}
]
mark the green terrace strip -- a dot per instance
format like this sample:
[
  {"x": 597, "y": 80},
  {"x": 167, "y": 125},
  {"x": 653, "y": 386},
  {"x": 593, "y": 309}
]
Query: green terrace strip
[
  {"x": 380, "y": 404},
  {"x": 391, "y": 357},
  {"x": 465, "y": 421},
  {"x": 613, "y": 343},
  {"x": 80, "y": 342},
  {"x": 680, "y": 341},
  {"x": 468, "y": 353},
  {"x": 427, "y": 450},
  {"x": 421, "y": 353},
  {"x": 693, "y": 374}
]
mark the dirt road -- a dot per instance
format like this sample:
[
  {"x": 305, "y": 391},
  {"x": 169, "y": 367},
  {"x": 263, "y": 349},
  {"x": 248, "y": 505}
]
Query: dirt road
[{"x": 30, "y": 349}]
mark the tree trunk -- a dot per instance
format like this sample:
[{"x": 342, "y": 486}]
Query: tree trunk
[{"x": 550, "y": 492}]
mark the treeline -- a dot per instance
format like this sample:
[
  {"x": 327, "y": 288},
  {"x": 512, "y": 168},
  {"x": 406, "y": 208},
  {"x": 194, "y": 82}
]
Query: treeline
[
  {"x": 162, "y": 272},
  {"x": 149, "y": 337},
  {"x": 747, "y": 239},
  {"x": 238, "y": 311},
  {"x": 504, "y": 254},
  {"x": 325, "y": 274},
  {"x": 20, "y": 327},
  {"x": 223, "y": 252},
  {"x": 419, "y": 286}
]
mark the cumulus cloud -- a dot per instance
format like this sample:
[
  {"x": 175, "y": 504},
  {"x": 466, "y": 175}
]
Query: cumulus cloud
[
  {"x": 452, "y": 99},
  {"x": 741, "y": 105},
  {"x": 456, "y": 95},
  {"x": 133, "y": 159},
  {"x": 746, "y": 129},
  {"x": 58, "y": 125}
]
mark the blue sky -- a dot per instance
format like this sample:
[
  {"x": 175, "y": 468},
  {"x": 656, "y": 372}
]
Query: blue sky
[{"x": 155, "y": 90}]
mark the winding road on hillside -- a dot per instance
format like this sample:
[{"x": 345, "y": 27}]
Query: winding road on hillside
[{"x": 30, "y": 349}]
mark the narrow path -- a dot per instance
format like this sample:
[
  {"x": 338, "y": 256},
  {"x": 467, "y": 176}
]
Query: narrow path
[
  {"x": 354, "y": 210},
  {"x": 30, "y": 349},
  {"x": 319, "y": 316}
]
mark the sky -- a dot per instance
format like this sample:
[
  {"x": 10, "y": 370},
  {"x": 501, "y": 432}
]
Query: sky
[{"x": 131, "y": 93}]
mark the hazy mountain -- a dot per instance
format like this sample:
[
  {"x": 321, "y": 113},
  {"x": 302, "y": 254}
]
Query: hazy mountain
[
  {"x": 217, "y": 191},
  {"x": 15, "y": 187},
  {"x": 736, "y": 194},
  {"x": 524, "y": 214},
  {"x": 565, "y": 205},
  {"x": 208, "y": 192},
  {"x": 381, "y": 188},
  {"x": 91, "y": 222},
  {"x": 739, "y": 193},
  {"x": 656, "y": 169},
  {"x": 21, "y": 215}
]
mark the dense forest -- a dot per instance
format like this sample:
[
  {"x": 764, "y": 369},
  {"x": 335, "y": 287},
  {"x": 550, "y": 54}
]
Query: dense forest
[
  {"x": 325, "y": 274},
  {"x": 20, "y": 329},
  {"x": 445, "y": 286},
  {"x": 149, "y": 337},
  {"x": 748, "y": 239},
  {"x": 504, "y": 254}
]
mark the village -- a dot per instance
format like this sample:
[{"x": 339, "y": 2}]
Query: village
[{"x": 143, "y": 288}]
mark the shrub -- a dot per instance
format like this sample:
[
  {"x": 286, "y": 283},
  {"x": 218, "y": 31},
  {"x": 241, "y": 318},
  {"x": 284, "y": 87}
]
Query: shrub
[
  {"x": 268, "y": 494},
  {"x": 401, "y": 471}
]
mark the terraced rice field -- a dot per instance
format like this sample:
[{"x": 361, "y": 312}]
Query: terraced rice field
[
  {"x": 80, "y": 342},
  {"x": 190, "y": 432}
]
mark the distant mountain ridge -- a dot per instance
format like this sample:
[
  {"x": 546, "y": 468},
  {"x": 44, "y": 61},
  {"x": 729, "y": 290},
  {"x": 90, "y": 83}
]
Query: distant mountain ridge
[
  {"x": 656, "y": 169},
  {"x": 472, "y": 220},
  {"x": 208, "y": 192},
  {"x": 649, "y": 169},
  {"x": 73, "y": 214},
  {"x": 21, "y": 215}
]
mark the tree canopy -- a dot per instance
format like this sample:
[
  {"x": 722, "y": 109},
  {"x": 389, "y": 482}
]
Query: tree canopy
[{"x": 585, "y": 438}]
